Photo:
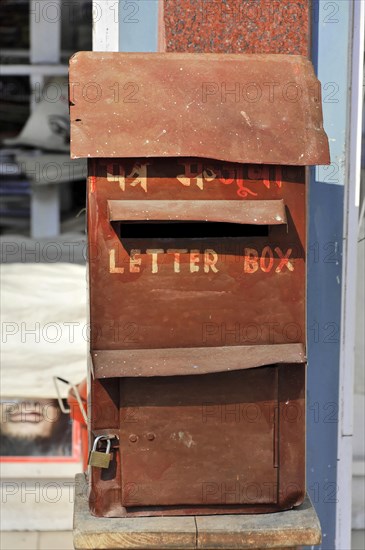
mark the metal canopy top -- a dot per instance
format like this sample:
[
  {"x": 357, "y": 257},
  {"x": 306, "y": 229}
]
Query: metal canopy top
[{"x": 247, "y": 108}]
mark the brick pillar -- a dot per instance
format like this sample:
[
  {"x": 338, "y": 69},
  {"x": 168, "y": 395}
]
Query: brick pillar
[{"x": 236, "y": 26}]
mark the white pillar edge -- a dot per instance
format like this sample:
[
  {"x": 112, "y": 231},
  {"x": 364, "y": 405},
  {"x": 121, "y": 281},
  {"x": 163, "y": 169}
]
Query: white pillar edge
[
  {"x": 105, "y": 20},
  {"x": 349, "y": 271}
]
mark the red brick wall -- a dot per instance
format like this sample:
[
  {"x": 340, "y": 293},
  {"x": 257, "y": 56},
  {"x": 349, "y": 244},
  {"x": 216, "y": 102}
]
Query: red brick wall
[{"x": 237, "y": 26}]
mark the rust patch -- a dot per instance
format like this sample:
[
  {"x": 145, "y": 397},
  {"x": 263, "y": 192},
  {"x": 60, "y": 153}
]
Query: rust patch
[
  {"x": 193, "y": 361},
  {"x": 231, "y": 107},
  {"x": 259, "y": 212}
]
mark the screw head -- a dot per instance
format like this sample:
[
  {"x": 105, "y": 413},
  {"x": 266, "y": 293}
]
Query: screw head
[
  {"x": 151, "y": 436},
  {"x": 133, "y": 438}
]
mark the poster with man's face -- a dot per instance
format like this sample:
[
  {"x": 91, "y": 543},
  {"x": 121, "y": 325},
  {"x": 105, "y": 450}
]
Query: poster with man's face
[
  {"x": 32, "y": 427},
  {"x": 44, "y": 336}
]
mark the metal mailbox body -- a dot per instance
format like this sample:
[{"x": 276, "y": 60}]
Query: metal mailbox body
[{"x": 197, "y": 228}]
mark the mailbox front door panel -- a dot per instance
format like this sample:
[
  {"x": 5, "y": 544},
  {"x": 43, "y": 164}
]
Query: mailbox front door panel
[{"x": 200, "y": 440}]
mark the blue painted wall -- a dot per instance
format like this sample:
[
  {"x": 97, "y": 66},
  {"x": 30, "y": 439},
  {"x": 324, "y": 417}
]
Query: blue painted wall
[
  {"x": 330, "y": 55},
  {"x": 323, "y": 319},
  {"x": 138, "y": 25}
]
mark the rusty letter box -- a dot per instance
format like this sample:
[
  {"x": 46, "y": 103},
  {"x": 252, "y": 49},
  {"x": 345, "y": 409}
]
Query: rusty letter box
[{"x": 197, "y": 238}]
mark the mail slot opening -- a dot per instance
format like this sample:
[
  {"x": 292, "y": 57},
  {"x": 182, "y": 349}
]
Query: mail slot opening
[{"x": 188, "y": 230}]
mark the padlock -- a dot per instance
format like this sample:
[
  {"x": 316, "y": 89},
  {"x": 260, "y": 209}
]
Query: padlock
[{"x": 100, "y": 459}]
